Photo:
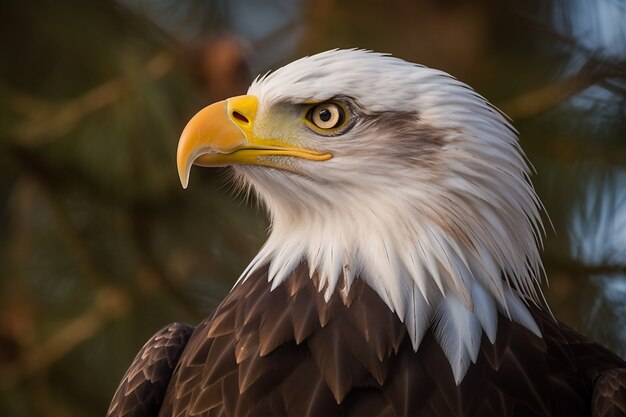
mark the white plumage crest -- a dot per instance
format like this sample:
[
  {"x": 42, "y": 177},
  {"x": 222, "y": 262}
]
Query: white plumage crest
[{"x": 427, "y": 198}]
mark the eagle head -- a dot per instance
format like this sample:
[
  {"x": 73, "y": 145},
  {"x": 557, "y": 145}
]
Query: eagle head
[{"x": 378, "y": 169}]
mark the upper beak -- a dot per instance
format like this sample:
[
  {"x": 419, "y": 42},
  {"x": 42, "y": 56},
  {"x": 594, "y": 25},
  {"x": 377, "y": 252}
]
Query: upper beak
[{"x": 222, "y": 134}]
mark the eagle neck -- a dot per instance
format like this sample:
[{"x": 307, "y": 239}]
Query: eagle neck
[{"x": 426, "y": 275}]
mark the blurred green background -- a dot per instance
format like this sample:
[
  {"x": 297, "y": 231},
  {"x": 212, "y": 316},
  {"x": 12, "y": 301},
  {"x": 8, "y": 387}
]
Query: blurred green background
[{"x": 100, "y": 245}]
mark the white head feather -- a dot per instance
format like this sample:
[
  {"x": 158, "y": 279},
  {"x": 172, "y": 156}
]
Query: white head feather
[{"x": 427, "y": 198}]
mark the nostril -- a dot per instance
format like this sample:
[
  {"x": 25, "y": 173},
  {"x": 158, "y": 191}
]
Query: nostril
[{"x": 240, "y": 117}]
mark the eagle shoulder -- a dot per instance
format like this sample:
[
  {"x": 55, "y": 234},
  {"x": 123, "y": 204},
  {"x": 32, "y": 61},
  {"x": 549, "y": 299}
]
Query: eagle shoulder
[
  {"x": 609, "y": 393},
  {"x": 141, "y": 391}
]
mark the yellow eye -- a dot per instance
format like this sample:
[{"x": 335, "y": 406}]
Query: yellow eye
[{"x": 327, "y": 115}]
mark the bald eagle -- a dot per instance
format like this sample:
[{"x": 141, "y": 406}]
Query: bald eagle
[{"x": 401, "y": 273}]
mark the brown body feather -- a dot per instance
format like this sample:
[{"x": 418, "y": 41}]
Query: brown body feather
[
  {"x": 287, "y": 352},
  {"x": 143, "y": 387}
]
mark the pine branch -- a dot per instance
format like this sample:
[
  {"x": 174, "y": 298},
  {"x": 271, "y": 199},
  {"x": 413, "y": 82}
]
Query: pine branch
[
  {"x": 109, "y": 303},
  {"x": 47, "y": 121}
]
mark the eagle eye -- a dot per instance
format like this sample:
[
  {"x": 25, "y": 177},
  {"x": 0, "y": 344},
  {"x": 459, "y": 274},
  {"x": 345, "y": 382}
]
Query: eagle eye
[{"x": 327, "y": 116}]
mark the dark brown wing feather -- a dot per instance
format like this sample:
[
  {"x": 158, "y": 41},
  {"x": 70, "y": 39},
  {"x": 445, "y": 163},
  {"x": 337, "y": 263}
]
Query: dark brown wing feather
[
  {"x": 609, "y": 394},
  {"x": 143, "y": 387},
  {"x": 289, "y": 353}
]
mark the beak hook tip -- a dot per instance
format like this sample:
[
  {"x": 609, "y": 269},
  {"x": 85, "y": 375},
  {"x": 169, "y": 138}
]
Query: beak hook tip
[{"x": 183, "y": 176}]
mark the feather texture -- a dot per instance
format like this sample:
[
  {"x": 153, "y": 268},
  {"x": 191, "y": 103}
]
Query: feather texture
[
  {"x": 143, "y": 387},
  {"x": 362, "y": 362}
]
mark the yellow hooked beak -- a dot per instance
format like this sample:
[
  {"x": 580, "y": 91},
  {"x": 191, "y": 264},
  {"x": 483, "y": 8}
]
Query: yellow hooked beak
[{"x": 222, "y": 134}]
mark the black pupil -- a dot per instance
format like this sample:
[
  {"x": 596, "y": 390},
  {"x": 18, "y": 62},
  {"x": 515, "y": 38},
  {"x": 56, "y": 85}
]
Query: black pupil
[{"x": 325, "y": 115}]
